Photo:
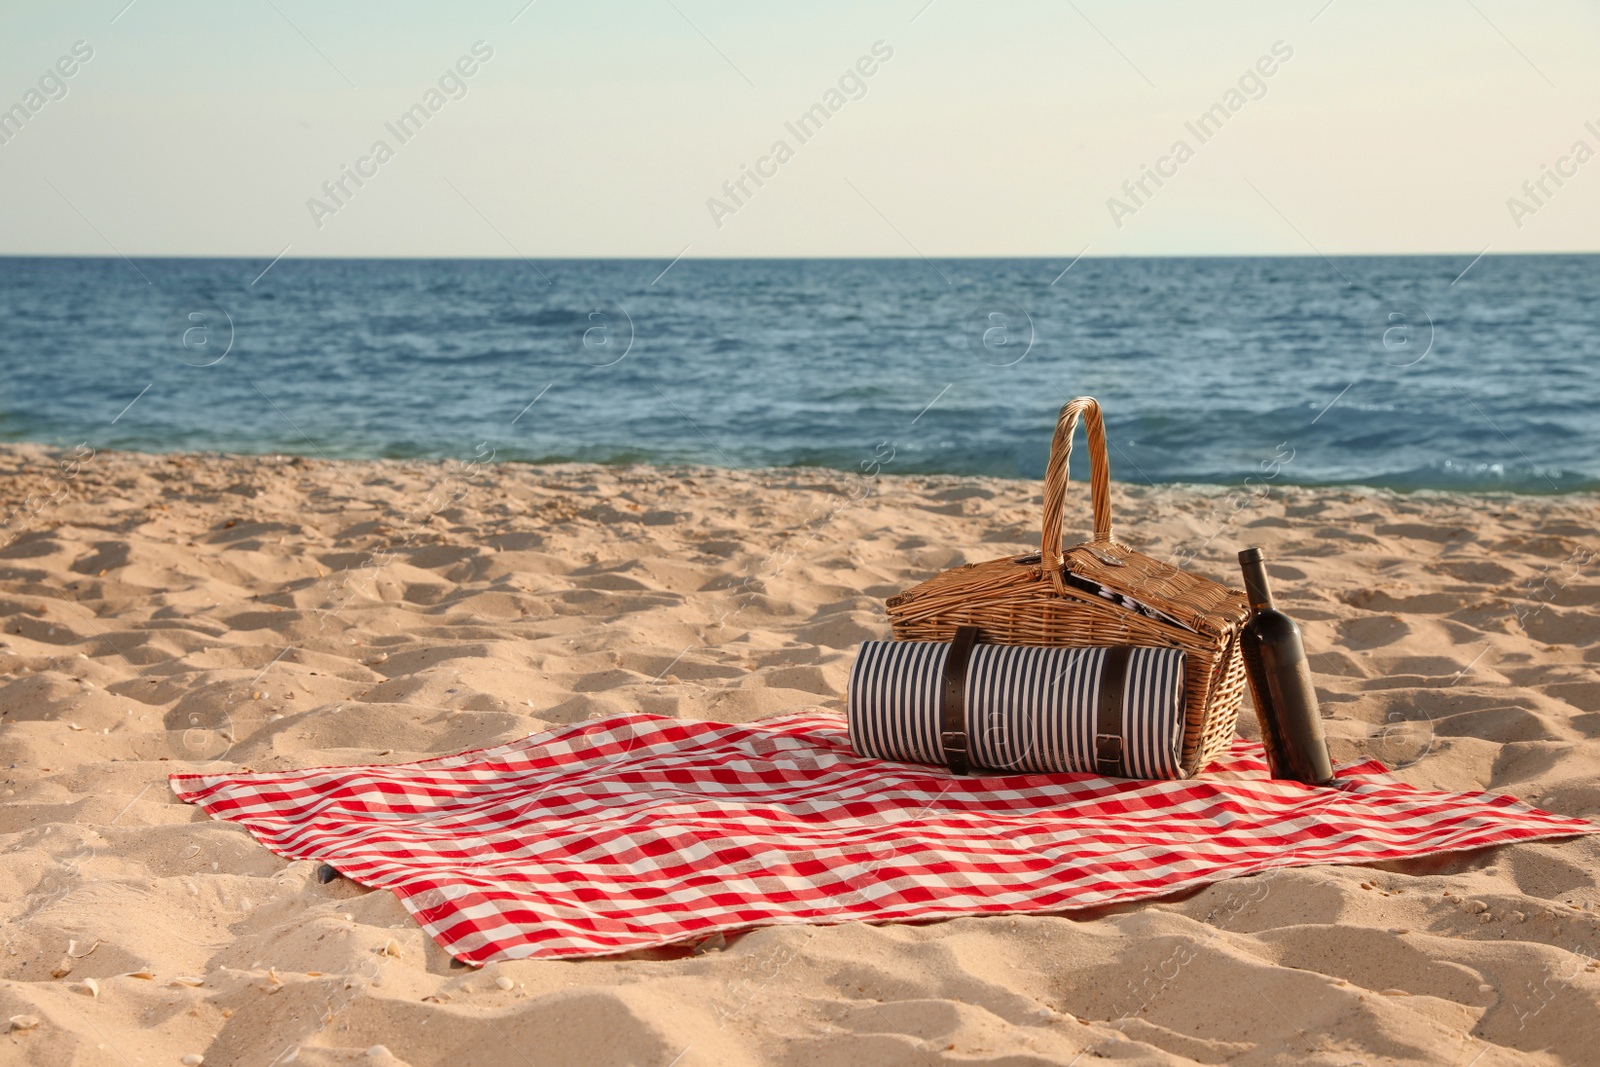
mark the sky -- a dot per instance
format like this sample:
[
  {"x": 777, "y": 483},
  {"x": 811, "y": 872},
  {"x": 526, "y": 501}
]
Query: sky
[{"x": 947, "y": 128}]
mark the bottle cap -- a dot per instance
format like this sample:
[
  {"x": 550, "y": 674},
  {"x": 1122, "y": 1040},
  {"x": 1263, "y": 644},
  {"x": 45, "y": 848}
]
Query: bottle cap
[{"x": 1250, "y": 555}]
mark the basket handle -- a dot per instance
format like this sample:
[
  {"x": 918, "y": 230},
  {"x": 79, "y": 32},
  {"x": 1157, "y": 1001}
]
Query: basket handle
[{"x": 1055, "y": 482}]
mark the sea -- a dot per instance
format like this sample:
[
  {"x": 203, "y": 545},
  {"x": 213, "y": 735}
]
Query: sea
[{"x": 1408, "y": 372}]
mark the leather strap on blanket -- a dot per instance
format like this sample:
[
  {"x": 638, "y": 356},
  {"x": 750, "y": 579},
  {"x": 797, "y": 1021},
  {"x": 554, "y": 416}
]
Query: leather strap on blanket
[
  {"x": 1108, "y": 713},
  {"x": 953, "y": 704},
  {"x": 953, "y": 707}
]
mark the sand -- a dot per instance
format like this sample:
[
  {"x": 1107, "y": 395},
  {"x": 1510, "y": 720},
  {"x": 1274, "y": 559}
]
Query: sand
[{"x": 167, "y": 613}]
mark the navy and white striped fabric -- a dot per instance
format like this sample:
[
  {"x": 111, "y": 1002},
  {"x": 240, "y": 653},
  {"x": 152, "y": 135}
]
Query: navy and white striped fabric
[{"x": 1029, "y": 709}]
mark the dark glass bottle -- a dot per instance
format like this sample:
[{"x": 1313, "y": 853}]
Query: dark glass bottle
[{"x": 1280, "y": 683}]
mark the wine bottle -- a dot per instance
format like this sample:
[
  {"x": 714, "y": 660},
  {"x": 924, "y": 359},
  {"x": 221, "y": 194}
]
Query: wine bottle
[{"x": 1280, "y": 683}]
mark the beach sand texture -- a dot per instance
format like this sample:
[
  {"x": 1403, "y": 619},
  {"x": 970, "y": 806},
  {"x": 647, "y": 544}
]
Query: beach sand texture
[{"x": 181, "y": 613}]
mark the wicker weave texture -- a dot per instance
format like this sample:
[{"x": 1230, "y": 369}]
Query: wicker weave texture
[{"x": 1027, "y": 601}]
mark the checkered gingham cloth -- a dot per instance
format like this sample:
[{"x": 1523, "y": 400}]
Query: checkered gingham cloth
[{"x": 640, "y": 831}]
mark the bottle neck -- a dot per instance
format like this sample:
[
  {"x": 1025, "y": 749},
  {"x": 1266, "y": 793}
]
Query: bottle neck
[{"x": 1256, "y": 586}]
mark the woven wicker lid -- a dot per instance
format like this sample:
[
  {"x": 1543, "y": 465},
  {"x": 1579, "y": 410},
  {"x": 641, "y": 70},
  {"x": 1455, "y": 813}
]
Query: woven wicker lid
[{"x": 1195, "y": 602}]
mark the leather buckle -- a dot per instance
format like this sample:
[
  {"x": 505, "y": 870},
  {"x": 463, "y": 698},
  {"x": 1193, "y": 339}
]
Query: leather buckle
[
  {"x": 1107, "y": 748},
  {"x": 956, "y": 754}
]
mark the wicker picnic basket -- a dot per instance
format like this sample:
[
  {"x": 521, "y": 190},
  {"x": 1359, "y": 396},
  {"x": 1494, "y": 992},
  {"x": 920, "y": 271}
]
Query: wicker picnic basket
[{"x": 1045, "y": 599}]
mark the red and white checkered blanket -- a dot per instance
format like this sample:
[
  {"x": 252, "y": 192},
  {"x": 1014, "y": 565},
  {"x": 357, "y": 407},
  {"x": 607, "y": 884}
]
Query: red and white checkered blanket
[{"x": 639, "y": 831}]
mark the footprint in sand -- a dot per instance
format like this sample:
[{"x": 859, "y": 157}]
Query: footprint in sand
[{"x": 1372, "y": 631}]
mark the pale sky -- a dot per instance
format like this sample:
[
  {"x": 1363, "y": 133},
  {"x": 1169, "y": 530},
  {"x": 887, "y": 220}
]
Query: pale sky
[{"x": 607, "y": 128}]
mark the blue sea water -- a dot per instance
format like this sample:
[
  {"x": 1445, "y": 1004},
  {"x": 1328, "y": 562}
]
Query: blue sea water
[{"x": 1390, "y": 371}]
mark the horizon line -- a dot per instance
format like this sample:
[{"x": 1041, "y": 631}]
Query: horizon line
[{"x": 802, "y": 258}]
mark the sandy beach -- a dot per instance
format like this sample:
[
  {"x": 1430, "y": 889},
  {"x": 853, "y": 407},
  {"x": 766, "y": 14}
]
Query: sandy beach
[{"x": 168, "y": 613}]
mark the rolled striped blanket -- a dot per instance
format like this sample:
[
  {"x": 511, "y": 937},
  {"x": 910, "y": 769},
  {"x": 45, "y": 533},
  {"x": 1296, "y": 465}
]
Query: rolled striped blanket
[{"x": 1116, "y": 711}]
